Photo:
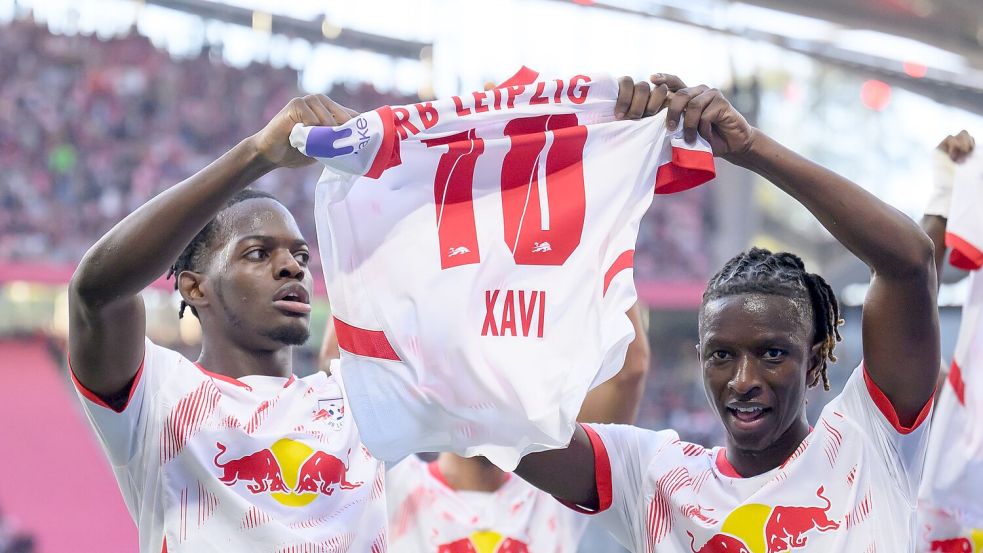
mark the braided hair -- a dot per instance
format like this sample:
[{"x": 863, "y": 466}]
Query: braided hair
[
  {"x": 194, "y": 254},
  {"x": 760, "y": 271}
]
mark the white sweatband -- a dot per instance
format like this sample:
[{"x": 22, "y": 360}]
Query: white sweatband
[{"x": 943, "y": 171}]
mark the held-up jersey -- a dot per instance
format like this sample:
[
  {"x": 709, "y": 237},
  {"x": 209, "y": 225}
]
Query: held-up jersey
[
  {"x": 478, "y": 255},
  {"x": 426, "y": 515},
  {"x": 950, "y": 507},
  {"x": 850, "y": 487},
  {"x": 210, "y": 463}
]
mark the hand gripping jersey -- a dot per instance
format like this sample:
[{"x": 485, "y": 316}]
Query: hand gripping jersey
[
  {"x": 426, "y": 515},
  {"x": 211, "y": 463},
  {"x": 478, "y": 255},
  {"x": 850, "y": 487},
  {"x": 950, "y": 506}
]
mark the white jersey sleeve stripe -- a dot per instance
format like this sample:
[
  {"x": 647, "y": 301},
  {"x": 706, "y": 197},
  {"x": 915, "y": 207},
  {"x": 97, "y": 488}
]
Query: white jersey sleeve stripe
[{"x": 887, "y": 409}]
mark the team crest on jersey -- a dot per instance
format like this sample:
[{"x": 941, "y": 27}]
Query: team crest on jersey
[
  {"x": 484, "y": 542},
  {"x": 331, "y": 412}
]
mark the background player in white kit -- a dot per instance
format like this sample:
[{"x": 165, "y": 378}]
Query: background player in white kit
[
  {"x": 230, "y": 452},
  {"x": 767, "y": 331},
  {"x": 457, "y": 504}
]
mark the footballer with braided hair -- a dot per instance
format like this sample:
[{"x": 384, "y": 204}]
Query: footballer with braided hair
[{"x": 767, "y": 330}]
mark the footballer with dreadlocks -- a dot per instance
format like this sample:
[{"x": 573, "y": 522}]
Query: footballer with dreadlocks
[{"x": 767, "y": 331}]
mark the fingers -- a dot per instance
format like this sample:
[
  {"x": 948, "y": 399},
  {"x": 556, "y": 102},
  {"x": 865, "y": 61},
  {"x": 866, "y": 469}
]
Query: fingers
[
  {"x": 341, "y": 113},
  {"x": 678, "y": 101},
  {"x": 673, "y": 82},
  {"x": 657, "y": 100},
  {"x": 320, "y": 108},
  {"x": 694, "y": 114},
  {"x": 626, "y": 89},
  {"x": 639, "y": 100},
  {"x": 958, "y": 146}
]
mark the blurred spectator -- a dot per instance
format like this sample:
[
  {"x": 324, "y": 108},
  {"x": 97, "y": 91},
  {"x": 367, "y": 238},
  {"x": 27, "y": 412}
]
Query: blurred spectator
[{"x": 12, "y": 541}]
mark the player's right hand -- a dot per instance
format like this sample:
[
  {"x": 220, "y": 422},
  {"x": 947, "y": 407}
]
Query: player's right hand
[
  {"x": 958, "y": 146},
  {"x": 273, "y": 141}
]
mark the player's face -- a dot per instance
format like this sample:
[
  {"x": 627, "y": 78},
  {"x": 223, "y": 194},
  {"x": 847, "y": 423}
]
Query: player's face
[
  {"x": 757, "y": 356},
  {"x": 259, "y": 277}
]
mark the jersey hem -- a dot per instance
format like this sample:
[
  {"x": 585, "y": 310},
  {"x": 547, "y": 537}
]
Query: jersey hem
[
  {"x": 94, "y": 398},
  {"x": 688, "y": 169},
  {"x": 886, "y": 408}
]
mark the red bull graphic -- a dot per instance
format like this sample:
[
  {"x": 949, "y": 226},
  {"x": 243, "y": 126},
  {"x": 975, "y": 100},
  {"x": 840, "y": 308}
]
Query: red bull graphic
[
  {"x": 260, "y": 467},
  {"x": 757, "y": 528},
  {"x": 291, "y": 472},
  {"x": 484, "y": 542},
  {"x": 787, "y": 526},
  {"x": 321, "y": 471},
  {"x": 954, "y": 545}
]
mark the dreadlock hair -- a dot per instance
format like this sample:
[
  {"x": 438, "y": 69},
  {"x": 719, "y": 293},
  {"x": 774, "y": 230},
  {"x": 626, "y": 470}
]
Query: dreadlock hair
[
  {"x": 762, "y": 272},
  {"x": 194, "y": 254}
]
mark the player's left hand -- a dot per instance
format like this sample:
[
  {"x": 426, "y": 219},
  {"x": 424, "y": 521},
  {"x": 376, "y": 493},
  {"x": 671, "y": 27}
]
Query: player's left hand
[
  {"x": 637, "y": 100},
  {"x": 706, "y": 111},
  {"x": 958, "y": 146}
]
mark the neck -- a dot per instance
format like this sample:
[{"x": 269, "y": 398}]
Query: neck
[
  {"x": 750, "y": 463},
  {"x": 234, "y": 360},
  {"x": 474, "y": 474}
]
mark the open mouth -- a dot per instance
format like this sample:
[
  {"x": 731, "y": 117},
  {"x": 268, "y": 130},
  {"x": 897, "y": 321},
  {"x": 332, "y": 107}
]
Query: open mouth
[
  {"x": 293, "y": 300},
  {"x": 748, "y": 414}
]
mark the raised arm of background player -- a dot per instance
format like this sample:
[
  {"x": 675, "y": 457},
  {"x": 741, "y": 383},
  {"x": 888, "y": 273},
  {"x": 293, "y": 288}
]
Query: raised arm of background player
[
  {"x": 957, "y": 147},
  {"x": 615, "y": 401},
  {"x": 106, "y": 312},
  {"x": 900, "y": 319}
]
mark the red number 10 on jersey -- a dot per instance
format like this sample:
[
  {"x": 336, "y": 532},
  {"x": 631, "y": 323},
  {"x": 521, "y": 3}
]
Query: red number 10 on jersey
[{"x": 543, "y": 204}]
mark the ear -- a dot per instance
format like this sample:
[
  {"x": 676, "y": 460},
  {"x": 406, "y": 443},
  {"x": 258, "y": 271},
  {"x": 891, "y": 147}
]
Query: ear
[
  {"x": 815, "y": 361},
  {"x": 192, "y": 288}
]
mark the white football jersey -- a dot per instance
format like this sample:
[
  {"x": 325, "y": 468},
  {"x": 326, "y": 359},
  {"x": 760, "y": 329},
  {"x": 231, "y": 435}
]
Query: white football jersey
[
  {"x": 426, "y": 515},
  {"x": 850, "y": 487},
  {"x": 950, "y": 507},
  {"x": 211, "y": 463},
  {"x": 478, "y": 254}
]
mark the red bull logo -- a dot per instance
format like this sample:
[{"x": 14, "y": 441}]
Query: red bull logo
[
  {"x": 484, "y": 542},
  {"x": 757, "y": 528},
  {"x": 292, "y": 472}
]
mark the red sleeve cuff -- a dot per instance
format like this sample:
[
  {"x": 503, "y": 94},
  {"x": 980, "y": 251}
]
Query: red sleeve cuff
[
  {"x": 94, "y": 398},
  {"x": 688, "y": 168},
  {"x": 964, "y": 255},
  {"x": 388, "y": 154},
  {"x": 602, "y": 475},
  {"x": 887, "y": 408}
]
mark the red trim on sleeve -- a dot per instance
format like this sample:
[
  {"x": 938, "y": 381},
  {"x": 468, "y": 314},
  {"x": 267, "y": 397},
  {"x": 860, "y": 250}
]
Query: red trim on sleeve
[
  {"x": 523, "y": 76},
  {"x": 887, "y": 408},
  {"x": 956, "y": 380},
  {"x": 964, "y": 255},
  {"x": 91, "y": 396},
  {"x": 688, "y": 168},
  {"x": 367, "y": 343},
  {"x": 624, "y": 261},
  {"x": 602, "y": 475},
  {"x": 388, "y": 154},
  {"x": 724, "y": 466}
]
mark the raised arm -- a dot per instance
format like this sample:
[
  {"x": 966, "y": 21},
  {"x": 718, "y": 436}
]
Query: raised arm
[
  {"x": 900, "y": 320},
  {"x": 617, "y": 400},
  {"x": 955, "y": 148},
  {"x": 106, "y": 313}
]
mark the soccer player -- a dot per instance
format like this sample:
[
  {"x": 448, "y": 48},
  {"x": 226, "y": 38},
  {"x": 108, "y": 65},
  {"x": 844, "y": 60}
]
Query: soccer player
[
  {"x": 454, "y": 504},
  {"x": 230, "y": 451},
  {"x": 767, "y": 331}
]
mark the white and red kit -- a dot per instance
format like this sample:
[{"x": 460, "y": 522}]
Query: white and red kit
[
  {"x": 427, "y": 515},
  {"x": 211, "y": 463},
  {"x": 478, "y": 254},
  {"x": 951, "y": 499},
  {"x": 850, "y": 487}
]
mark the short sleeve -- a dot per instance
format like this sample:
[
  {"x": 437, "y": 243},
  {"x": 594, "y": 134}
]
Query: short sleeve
[
  {"x": 900, "y": 448},
  {"x": 121, "y": 431},
  {"x": 964, "y": 230},
  {"x": 622, "y": 457}
]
